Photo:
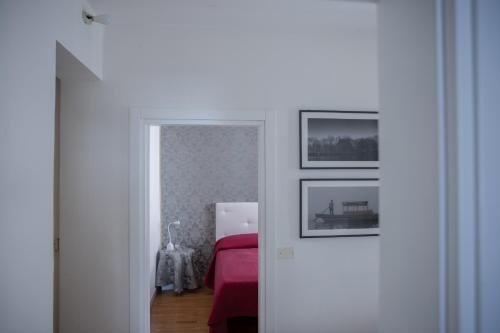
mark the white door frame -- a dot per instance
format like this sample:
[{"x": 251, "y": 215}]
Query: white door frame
[
  {"x": 458, "y": 160},
  {"x": 140, "y": 121}
]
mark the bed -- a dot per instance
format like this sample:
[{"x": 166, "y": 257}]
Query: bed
[{"x": 233, "y": 272}]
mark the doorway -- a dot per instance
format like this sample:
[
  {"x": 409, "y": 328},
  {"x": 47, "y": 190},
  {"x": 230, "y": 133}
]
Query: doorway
[
  {"x": 203, "y": 191},
  {"x": 140, "y": 122}
]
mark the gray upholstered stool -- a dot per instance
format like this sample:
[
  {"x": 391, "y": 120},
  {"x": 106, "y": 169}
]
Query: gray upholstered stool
[{"x": 176, "y": 267}]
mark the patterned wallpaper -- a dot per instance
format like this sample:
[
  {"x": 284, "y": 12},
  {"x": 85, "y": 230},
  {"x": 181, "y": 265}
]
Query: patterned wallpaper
[{"x": 202, "y": 165}]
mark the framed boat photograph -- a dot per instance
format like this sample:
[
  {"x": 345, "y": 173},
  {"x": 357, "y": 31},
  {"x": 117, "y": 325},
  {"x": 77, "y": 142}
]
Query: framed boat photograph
[
  {"x": 339, "y": 207},
  {"x": 338, "y": 139}
]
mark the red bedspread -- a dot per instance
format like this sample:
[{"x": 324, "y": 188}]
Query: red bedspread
[{"x": 233, "y": 275}]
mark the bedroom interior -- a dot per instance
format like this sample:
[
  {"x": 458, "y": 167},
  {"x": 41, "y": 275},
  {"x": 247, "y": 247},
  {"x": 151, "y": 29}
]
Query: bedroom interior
[
  {"x": 377, "y": 186},
  {"x": 203, "y": 189}
]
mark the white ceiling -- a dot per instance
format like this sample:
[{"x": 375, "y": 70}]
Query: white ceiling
[{"x": 350, "y": 13}]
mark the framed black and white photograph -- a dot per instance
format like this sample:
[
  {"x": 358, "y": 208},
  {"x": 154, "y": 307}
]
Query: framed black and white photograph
[
  {"x": 338, "y": 139},
  {"x": 339, "y": 207}
]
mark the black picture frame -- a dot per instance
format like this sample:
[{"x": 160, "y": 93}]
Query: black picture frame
[
  {"x": 304, "y": 163},
  {"x": 358, "y": 232}
]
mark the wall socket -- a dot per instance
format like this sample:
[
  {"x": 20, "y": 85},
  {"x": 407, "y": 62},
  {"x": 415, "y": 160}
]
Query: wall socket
[{"x": 285, "y": 252}]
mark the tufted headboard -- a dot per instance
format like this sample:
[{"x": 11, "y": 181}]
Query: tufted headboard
[{"x": 233, "y": 218}]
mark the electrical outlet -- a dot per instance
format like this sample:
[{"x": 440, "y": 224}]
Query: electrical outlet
[{"x": 285, "y": 252}]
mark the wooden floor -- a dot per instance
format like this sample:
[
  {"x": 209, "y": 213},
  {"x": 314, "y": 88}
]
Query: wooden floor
[{"x": 189, "y": 312}]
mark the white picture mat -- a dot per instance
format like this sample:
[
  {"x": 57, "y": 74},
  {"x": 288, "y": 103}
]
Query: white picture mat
[
  {"x": 306, "y": 184},
  {"x": 305, "y": 116}
]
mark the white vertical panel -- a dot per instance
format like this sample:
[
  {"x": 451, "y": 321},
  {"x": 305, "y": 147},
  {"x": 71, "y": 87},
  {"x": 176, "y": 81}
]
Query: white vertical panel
[
  {"x": 487, "y": 47},
  {"x": 409, "y": 151},
  {"x": 154, "y": 203}
]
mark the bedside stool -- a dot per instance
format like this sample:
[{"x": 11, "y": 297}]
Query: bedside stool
[{"x": 176, "y": 267}]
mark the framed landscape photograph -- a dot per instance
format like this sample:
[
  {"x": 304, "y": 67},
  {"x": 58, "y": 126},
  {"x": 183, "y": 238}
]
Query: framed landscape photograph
[
  {"x": 338, "y": 139},
  {"x": 339, "y": 207}
]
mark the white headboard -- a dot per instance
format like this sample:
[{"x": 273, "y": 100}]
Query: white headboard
[{"x": 233, "y": 218}]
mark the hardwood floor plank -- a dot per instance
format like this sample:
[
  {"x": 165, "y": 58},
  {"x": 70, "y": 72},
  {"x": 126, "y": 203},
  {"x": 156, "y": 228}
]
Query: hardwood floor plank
[{"x": 189, "y": 312}]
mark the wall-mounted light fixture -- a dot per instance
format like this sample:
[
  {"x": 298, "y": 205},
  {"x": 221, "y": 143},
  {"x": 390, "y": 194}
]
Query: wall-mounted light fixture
[{"x": 102, "y": 19}]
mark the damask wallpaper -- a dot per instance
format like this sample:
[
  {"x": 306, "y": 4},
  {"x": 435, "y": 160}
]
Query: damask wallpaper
[{"x": 202, "y": 165}]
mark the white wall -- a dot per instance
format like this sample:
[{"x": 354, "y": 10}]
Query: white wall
[
  {"x": 409, "y": 253},
  {"x": 28, "y": 34},
  {"x": 154, "y": 204},
  {"x": 237, "y": 55},
  {"x": 488, "y": 81}
]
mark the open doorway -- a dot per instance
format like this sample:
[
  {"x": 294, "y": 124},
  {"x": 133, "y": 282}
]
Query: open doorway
[
  {"x": 203, "y": 200},
  {"x": 148, "y": 125}
]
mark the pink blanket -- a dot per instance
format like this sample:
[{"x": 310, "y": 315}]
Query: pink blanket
[{"x": 233, "y": 275}]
